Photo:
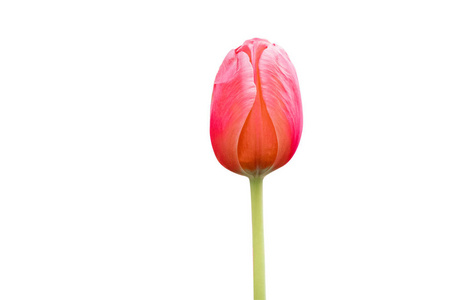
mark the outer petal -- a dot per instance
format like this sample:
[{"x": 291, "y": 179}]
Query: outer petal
[
  {"x": 233, "y": 96},
  {"x": 280, "y": 91}
]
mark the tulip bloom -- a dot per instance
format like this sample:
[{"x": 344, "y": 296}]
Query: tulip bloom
[
  {"x": 256, "y": 112},
  {"x": 256, "y": 125}
]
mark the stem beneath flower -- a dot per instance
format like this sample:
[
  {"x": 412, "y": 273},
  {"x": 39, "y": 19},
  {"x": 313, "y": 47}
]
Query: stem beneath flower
[{"x": 258, "y": 243}]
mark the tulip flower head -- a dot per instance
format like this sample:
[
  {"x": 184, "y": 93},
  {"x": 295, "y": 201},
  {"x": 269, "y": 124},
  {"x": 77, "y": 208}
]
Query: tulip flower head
[{"x": 256, "y": 112}]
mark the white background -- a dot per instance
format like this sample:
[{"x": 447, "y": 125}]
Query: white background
[{"x": 109, "y": 188}]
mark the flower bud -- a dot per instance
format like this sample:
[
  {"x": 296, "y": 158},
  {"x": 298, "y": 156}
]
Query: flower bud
[{"x": 256, "y": 112}]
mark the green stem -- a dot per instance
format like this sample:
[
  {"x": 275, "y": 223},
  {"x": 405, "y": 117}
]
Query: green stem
[{"x": 258, "y": 244}]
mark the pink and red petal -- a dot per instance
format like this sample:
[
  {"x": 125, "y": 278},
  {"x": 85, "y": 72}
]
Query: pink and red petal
[
  {"x": 257, "y": 146},
  {"x": 280, "y": 92},
  {"x": 232, "y": 99}
]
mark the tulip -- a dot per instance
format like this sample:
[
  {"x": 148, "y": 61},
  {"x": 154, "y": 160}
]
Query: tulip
[
  {"x": 256, "y": 125},
  {"x": 256, "y": 112}
]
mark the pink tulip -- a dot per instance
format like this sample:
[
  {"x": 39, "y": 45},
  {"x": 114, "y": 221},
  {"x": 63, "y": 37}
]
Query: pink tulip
[
  {"x": 256, "y": 113},
  {"x": 256, "y": 125}
]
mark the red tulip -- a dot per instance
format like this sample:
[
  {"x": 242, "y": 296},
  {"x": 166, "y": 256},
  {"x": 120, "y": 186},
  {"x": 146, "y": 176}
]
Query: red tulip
[{"x": 256, "y": 113}]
